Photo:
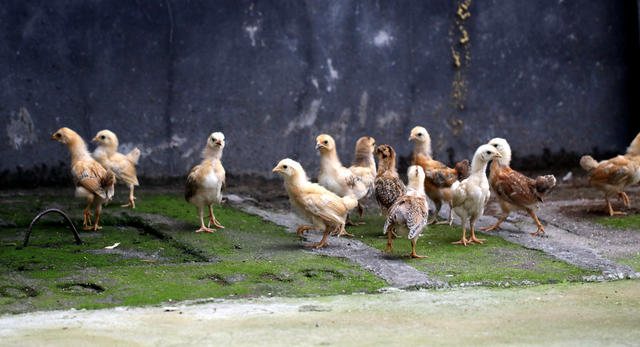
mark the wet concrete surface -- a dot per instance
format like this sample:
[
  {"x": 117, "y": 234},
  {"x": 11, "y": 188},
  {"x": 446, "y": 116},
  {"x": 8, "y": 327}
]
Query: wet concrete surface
[{"x": 576, "y": 314}]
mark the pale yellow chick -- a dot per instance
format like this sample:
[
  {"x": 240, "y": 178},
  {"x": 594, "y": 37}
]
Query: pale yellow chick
[
  {"x": 123, "y": 166},
  {"x": 326, "y": 210},
  {"x": 472, "y": 194},
  {"x": 364, "y": 165},
  {"x": 205, "y": 181},
  {"x": 92, "y": 181},
  {"x": 334, "y": 176}
]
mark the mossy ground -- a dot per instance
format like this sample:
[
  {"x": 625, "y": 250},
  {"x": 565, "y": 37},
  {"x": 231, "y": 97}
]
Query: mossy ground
[
  {"x": 621, "y": 222},
  {"x": 496, "y": 261},
  {"x": 250, "y": 257}
]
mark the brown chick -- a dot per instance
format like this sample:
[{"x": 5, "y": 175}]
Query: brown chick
[
  {"x": 123, "y": 166},
  {"x": 409, "y": 213},
  {"x": 613, "y": 176},
  {"x": 92, "y": 181},
  {"x": 436, "y": 191},
  {"x": 205, "y": 181},
  {"x": 388, "y": 185},
  {"x": 326, "y": 210},
  {"x": 515, "y": 190},
  {"x": 364, "y": 166}
]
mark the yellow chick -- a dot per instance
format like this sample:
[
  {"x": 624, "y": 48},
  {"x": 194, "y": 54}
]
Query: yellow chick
[
  {"x": 409, "y": 213},
  {"x": 472, "y": 194},
  {"x": 123, "y": 166},
  {"x": 334, "y": 176},
  {"x": 364, "y": 165},
  {"x": 205, "y": 181},
  {"x": 326, "y": 210},
  {"x": 92, "y": 181}
]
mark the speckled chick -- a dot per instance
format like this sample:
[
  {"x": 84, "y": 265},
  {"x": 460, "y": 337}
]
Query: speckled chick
[
  {"x": 409, "y": 213},
  {"x": 388, "y": 185},
  {"x": 326, "y": 210},
  {"x": 123, "y": 166},
  {"x": 515, "y": 190},
  {"x": 205, "y": 181},
  {"x": 93, "y": 182}
]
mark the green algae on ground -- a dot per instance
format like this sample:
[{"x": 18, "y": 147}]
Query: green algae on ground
[
  {"x": 495, "y": 261},
  {"x": 250, "y": 257},
  {"x": 620, "y": 222}
]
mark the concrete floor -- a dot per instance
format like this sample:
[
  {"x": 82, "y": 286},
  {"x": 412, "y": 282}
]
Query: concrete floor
[{"x": 572, "y": 314}]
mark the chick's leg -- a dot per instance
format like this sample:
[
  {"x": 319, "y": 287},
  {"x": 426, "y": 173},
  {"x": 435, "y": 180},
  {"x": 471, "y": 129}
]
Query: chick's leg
[
  {"x": 625, "y": 199},
  {"x": 131, "y": 203},
  {"x": 339, "y": 231},
  {"x": 352, "y": 223},
  {"x": 202, "y": 227},
  {"x": 413, "y": 251},
  {"x": 473, "y": 233},
  {"x": 438, "y": 205},
  {"x": 611, "y": 211},
  {"x": 302, "y": 229},
  {"x": 212, "y": 218},
  {"x": 495, "y": 225},
  {"x": 97, "y": 213},
  {"x": 86, "y": 220},
  {"x": 388, "y": 249},
  {"x": 448, "y": 221},
  {"x": 540, "y": 230},
  {"x": 464, "y": 240},
  {"x": 322, "y": 242}
]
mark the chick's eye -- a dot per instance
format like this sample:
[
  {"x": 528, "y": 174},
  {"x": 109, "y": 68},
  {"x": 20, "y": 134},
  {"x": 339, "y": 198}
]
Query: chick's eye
[
  {"x": 58, "y": 135},
  {"x": 284, "y": 166},
  {"x": 419, "y": 134},
  {"x": 326, "y": 142},
  {"x": 102, "y": 137},
  {"x": 488, "y": 152}
]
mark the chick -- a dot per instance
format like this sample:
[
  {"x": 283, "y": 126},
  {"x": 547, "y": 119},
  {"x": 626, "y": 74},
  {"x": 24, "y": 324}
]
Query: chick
[
  {"x": 472, "y": 194},
  {"x": 515, "y": 190},
  {"x": 613, "y": 176},
  {"x": 123, "y": 166},
  {"x": 409, "y": 213},
  {"x": 388, "y": 185},
  {"x": 364, "y": 166},
  {"x": 335, "y": 177},
  {"x": 205, "y": 181},
  {"x": 326, "y": 210},
  {"x": 92, "y": 181},
  {"x": 436, "y": 192}
]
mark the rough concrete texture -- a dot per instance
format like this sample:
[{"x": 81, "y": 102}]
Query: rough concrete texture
[
  {"x": 396, "y": 272},
  {"x": 579, "y": 314},
  {"x": 163, "y": 74}
]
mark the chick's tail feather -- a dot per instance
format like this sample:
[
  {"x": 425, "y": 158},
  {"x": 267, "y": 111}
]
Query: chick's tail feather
[
  {"x": 134, "y": 155},
  {"x": 108, "y": 183},
  {"x": 588, "y": 163},
  {"x": 544, "y": 185},
  {"x": 350, "y": 202}
]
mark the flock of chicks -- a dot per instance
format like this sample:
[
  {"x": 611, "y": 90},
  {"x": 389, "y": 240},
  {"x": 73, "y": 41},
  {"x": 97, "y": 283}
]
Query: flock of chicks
[{"x": 327, "y": 204}]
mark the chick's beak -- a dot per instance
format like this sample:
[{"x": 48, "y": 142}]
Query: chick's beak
[
  {"x": 218, "y": 143},
  {"x": 95, "y": 139},
  {"x": 411, "y": 138},
  {"x": 319, "y": 145},
  {"x": 53, "y": 137},
  {"x": 276, "y": 169},
  {"x": 497, "y": 155}
]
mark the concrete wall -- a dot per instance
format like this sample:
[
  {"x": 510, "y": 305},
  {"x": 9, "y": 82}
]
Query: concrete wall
[{"x": 552, "y": 77}]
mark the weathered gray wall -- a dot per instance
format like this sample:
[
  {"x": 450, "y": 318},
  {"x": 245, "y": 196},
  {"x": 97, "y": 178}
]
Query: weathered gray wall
[{"x": 547, "y": 75}]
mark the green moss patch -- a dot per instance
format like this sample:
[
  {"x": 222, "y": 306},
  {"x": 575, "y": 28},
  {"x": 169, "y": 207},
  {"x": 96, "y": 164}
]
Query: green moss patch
[
  {"x": 156, "y": 261},
  {"x": 495, "y": 261},
  {"x": 620, "y": 222}
]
